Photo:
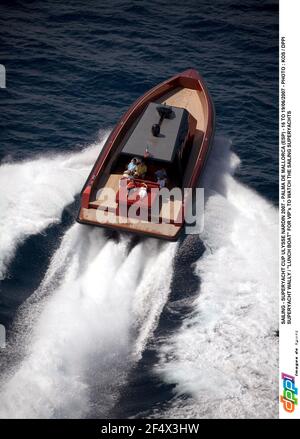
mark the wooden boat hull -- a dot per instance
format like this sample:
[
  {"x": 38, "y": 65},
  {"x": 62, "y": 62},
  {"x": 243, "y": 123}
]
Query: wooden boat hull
[{"x": 185, "y": 90}]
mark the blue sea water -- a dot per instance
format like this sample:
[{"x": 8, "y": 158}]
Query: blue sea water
[{"x": 72, "y": 69}]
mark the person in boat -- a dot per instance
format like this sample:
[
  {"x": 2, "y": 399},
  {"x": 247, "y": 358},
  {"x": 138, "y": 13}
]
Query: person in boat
[
  {"x": 131, "y": 167},
  {"x": 161, "y": 177},
  {"x": 140, "y": 170},
  {"x": 131, "y": 187}
]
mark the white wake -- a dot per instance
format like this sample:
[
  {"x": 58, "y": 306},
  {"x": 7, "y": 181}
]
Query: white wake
[
  {"x": 225, "y": 356},
  {"x": 34, "y": 194},
  {"x": 86, "y": 325},
  {"x": 76, "y": 337}
]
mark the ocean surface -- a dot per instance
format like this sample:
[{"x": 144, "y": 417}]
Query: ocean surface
[{"x": 108, "y": 326}]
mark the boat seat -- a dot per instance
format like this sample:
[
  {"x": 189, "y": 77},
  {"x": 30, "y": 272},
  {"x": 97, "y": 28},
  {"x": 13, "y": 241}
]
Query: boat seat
[{"x": 123, "y": 197}]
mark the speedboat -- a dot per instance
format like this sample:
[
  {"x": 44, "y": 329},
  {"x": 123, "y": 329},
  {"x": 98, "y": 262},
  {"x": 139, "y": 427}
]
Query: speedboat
[{"x": 159, "y": 145}]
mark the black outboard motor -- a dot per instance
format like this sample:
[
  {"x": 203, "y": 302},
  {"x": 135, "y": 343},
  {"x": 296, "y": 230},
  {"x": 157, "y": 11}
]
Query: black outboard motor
[{"x": 164, "y": 113}]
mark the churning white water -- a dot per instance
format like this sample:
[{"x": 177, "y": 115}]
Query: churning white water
[
  {"x": 91, "y": 317},
  {"x": 96, "y": 307},
  {"x": 225, "y": 356},
  {"x": 34, "y": 194},
  {"x": 100, "y": 301}
]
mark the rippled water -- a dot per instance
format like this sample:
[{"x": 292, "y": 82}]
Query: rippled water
[{"x": 105, "y": 327}]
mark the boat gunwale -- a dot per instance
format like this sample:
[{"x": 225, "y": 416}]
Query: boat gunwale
[{"x": 188, "y": 79}]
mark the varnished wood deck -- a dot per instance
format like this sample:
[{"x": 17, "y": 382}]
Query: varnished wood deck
[
  {"x": 168, "y": 231},
  {"x": 112, "y": 182},
  {"x": 191, "y": 100}
]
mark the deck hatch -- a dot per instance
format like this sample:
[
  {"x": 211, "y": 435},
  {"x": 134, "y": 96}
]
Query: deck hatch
[{"x": 173, "y": 131}]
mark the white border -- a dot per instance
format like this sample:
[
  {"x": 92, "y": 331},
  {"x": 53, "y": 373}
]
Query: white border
[{"x": 289, "y": 28}]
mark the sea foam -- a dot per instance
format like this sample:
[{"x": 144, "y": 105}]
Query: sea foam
[
  {"x": 35, "y": 192},
  {"x": 225, "y": 355}
]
